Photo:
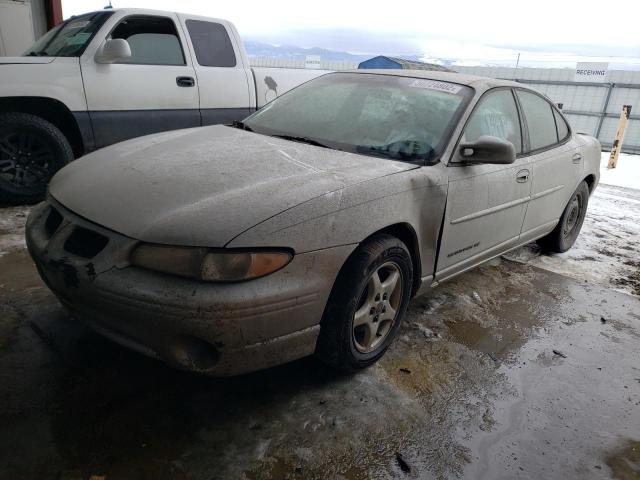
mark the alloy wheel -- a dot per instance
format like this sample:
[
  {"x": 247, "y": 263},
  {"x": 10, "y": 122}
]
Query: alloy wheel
[
  {"x": 378, "y": 307},
  {"x": 26, "y": 159}
]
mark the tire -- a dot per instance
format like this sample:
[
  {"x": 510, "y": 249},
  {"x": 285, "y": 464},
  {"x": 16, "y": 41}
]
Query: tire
[
  {"x": 350, "y": 348},
  {"x": 31, "y": 151},
  {"x": 566, "y": 232}
]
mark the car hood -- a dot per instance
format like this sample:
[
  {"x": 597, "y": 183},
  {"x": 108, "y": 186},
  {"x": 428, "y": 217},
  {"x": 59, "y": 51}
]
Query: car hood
[
  {"x": 25, "y": 60},
  {"x": 204, "y": 186}
]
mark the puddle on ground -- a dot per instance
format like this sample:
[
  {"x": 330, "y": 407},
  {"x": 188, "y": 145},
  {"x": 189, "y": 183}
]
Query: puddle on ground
[
  {"x": 470, "y": 388},
  {"x": 624, "y": 462}
]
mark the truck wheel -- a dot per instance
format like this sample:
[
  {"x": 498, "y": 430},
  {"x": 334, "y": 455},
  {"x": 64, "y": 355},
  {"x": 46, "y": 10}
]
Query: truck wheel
[
  {"x": 367, "y": 304},
  {"x": 566, "y": 232},
  {"x": 31, "y": 151}
]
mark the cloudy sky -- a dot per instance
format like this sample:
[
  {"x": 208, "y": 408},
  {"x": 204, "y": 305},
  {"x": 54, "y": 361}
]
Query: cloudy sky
[{"x": 545, "y": 32}]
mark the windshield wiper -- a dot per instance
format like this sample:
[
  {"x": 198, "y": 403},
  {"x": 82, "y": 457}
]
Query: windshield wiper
[
  {"x": 38, "y": 54},
  {"x": 307, "y": 140},
  {"x": 241, "y": 125},
  {"x": 401, "y": 155}
]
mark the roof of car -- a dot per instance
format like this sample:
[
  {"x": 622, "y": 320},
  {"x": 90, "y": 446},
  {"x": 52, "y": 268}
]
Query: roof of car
[{"x": 474, "y": 81}]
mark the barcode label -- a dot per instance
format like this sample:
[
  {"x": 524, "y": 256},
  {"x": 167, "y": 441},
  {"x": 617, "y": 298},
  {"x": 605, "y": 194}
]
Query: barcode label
[{"x": 436, "y": 85}]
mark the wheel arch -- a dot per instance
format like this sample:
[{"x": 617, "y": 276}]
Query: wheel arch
[
  {"x": 51, "y": 110},
  {"x": 407, "y": 234},
  {"x": 591, "y": 182}
]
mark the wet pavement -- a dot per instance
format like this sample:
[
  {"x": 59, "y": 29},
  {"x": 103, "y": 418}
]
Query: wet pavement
[{"x": 509, "y": 371}]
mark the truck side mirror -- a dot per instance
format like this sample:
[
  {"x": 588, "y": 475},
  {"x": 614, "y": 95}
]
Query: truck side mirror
[
  {"x": 114, "y": 50},
  {"x": 487, "y": 149}
]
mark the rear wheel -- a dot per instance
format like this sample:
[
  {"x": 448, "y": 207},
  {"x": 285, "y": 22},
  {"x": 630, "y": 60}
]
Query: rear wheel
[
  {"x": 367, "y": 304},
  {"x": 566, "y": 232},
  {"x": 31, "y": 151}
]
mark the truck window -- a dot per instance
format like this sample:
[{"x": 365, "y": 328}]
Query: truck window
[
  {"x": 496, "y": 115},
  {"x": 153, "y": 40},
  {"x": 211, "y": 43}
]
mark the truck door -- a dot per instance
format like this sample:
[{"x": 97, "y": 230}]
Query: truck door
[
  {"x": 486, "y": 203},
  {"x": 219, "y": 63},
  {"x": 152, "y": 91}
]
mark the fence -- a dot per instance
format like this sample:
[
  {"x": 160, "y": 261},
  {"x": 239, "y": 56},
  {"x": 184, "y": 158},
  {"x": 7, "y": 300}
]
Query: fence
[
  {"x": 592, "y": 108},
  {"x": 293, "y": 63}
]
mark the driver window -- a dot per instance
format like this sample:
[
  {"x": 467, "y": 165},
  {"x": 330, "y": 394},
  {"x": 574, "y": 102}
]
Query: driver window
[
  {"x": 496, "y": 115},
  {"x": 153, "y": 40}
]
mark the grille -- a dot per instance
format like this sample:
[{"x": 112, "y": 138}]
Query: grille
[
  {"x": 85, "y": 243},
  {"x": 52, "y": 222}
]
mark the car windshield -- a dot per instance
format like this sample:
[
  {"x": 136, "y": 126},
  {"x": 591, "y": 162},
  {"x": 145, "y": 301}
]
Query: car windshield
[
  {"x": 70, "y": 38},
  {"x": 388, "y": 116}
]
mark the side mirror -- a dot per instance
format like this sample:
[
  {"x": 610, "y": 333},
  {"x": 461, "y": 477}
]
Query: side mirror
[
  {"x": 487, "y": 149},
  {"x": 113, "y": 51}
]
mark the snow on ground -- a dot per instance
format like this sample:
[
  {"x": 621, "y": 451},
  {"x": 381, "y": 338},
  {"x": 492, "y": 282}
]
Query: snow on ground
[
  {"x": 626, "y": 174},
  {"x": 12, "y": 221}
]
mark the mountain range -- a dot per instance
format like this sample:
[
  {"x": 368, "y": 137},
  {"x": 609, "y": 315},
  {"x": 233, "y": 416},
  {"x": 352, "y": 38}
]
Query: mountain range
[{"x": 290, "y": 52}]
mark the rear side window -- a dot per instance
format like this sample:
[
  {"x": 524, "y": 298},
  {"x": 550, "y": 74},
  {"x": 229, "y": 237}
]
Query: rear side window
[
  {"x": 496, "y": 115},
  {"x": 153, "y": 40},
  {"x": 539, "y": 115},
  {"x": 561, "y": 126},
  {"x": 211, "y": 43}
]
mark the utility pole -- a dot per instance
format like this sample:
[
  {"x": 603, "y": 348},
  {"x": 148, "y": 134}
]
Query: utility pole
[
  {"x": 515, "y": 70},
  {"x": 617, "y": 141}
]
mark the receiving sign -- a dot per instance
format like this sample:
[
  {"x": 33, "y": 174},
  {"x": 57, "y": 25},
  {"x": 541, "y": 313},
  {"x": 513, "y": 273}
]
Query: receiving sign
[
  {"x": 312, "y": 61},
  {"x": 591, "y": 72}
]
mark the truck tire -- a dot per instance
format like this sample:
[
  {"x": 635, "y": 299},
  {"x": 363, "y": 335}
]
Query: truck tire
[
  {"x": 31, "y": 151},
  {"x": 566, "y": 232},
  {"x": 367, "y": 304}
]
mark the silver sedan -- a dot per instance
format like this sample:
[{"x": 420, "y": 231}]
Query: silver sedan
[{"x": 308, "y": 227}]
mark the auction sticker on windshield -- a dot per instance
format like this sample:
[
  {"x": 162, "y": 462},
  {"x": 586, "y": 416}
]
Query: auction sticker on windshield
[{"x": 435, "y": 85}]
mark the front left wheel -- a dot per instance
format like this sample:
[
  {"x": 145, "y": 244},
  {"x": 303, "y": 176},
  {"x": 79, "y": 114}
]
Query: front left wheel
[
  {"x": 31, "y": 151},
  {"x": 367, "y": 304}
]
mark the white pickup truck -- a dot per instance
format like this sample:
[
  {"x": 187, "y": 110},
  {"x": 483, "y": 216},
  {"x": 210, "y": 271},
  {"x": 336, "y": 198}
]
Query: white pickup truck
[{"x": 111, "y": 75}]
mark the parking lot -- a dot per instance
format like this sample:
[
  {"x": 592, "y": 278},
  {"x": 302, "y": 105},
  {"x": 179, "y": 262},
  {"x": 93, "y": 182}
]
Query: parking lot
[{"x": 510, "y": 371}]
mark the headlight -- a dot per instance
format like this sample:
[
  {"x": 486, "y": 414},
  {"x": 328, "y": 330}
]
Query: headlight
[{"x": 209, "y": 265}]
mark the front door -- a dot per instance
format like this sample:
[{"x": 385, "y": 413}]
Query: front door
[
  {"x": 486, "y": 203},
  {"x": 155, "y": 90}
]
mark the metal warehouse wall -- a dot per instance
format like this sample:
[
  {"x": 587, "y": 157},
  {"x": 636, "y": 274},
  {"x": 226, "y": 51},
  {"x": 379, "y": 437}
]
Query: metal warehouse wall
[
  {"x": 276, "y": 62},
  {"x": 592, "y": 108}
]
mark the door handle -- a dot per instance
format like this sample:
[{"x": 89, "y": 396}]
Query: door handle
[
  {"x": 522, "y": 176},
  {"x": 576, "y": 158},
  {"x": 185, "y": 82}
]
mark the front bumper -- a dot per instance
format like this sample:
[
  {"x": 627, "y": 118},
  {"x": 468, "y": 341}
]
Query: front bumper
[{"x": 218, "y": 329}]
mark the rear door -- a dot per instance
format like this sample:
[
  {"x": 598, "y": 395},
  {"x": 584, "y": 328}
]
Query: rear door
[
  {"x": 486, "y": 203},
  {"x": 219, "y": 64},
  {"x": 556, "y": 163},
  {"x": 153, "y": 91}
]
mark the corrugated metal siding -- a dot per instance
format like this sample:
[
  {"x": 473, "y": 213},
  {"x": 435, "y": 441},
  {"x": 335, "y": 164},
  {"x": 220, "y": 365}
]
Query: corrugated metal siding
[
  {"x": 584, "y": 105},
  {"x": 273, "y": 62}
]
